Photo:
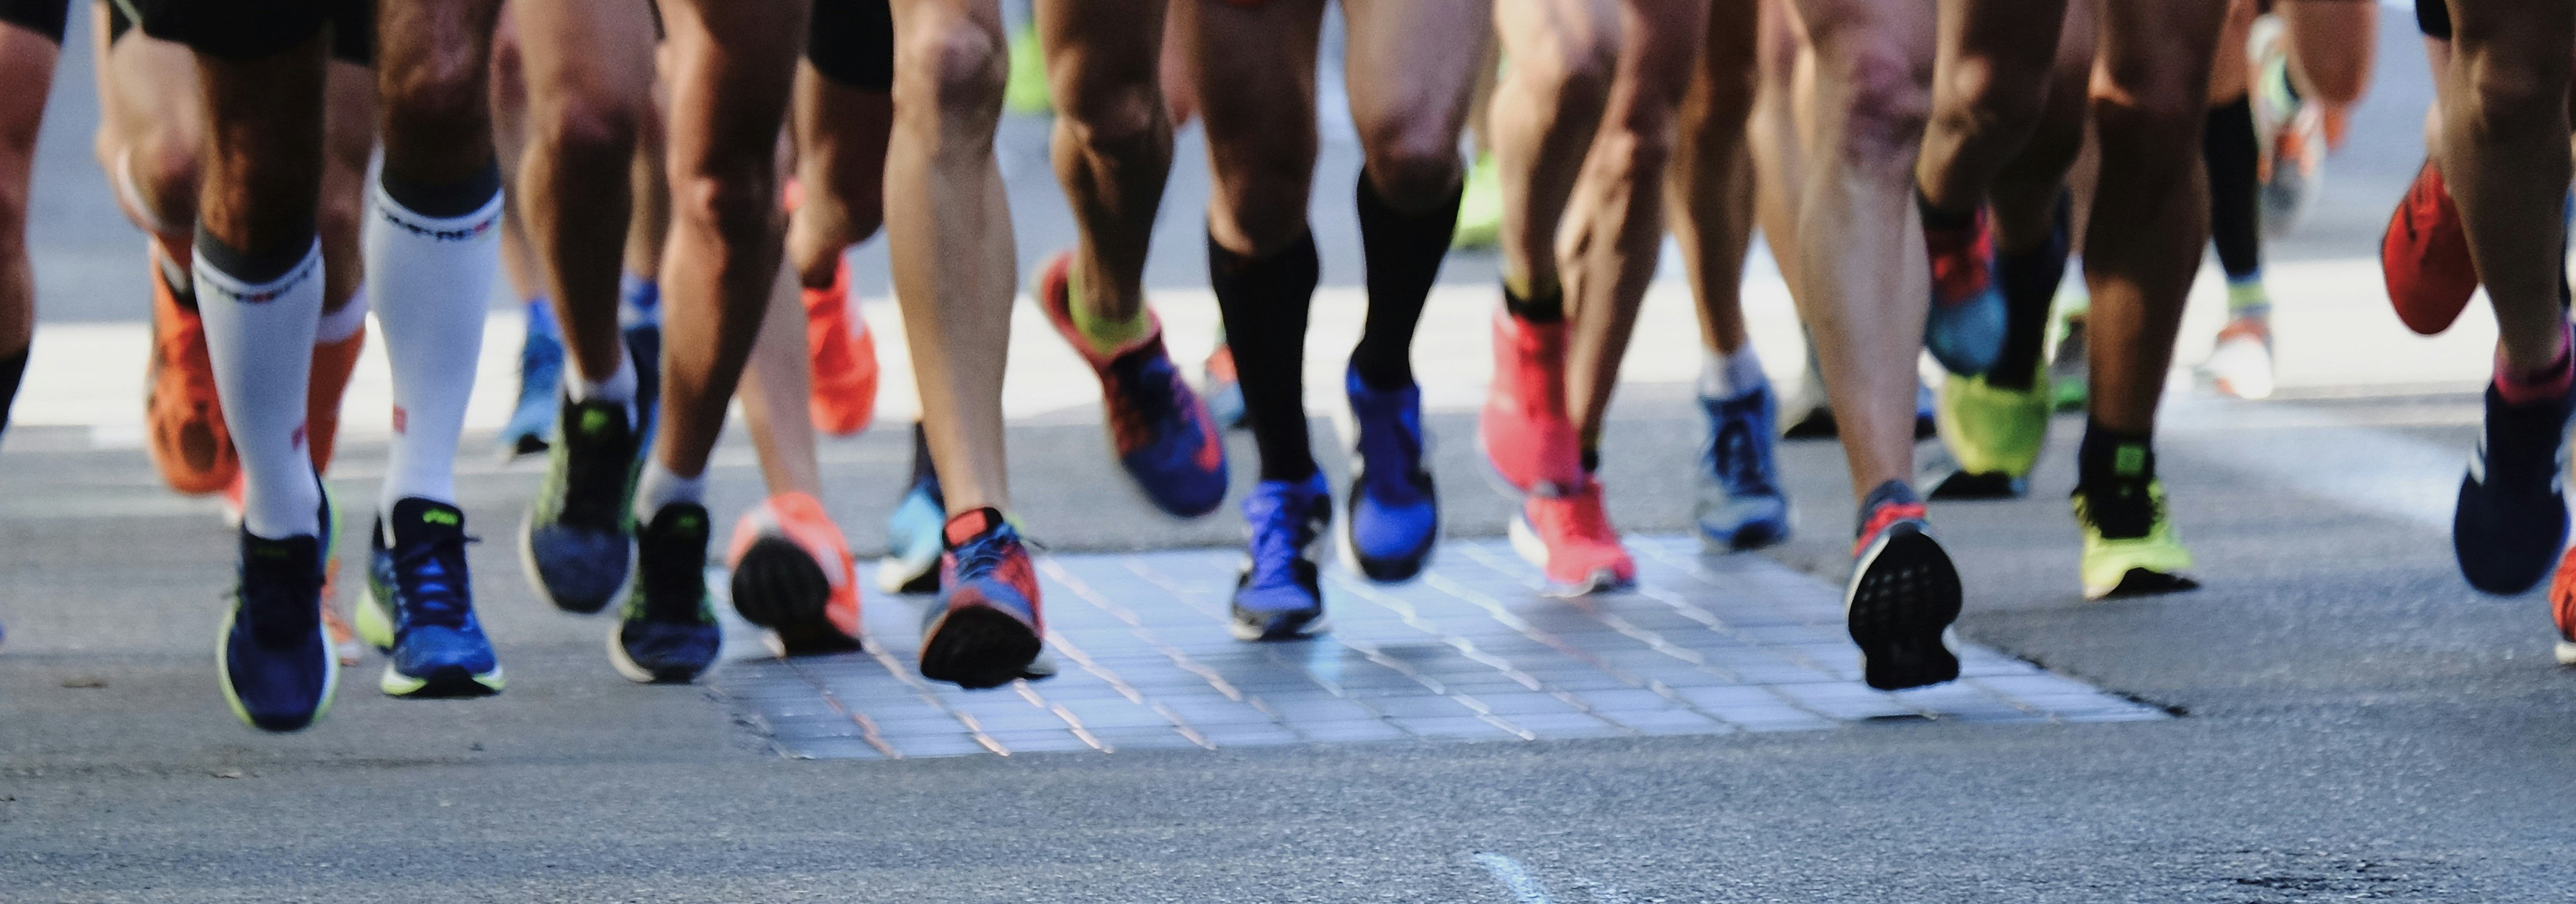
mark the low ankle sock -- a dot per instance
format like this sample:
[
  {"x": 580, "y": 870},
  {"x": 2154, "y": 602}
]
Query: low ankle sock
[
  {"x": 2111, "y": 458},
  {"x": 1937, "y": 220},
  {"x": 619, "y": 388},
  {"x": 1725, "y": 376},
  {"x": 336, "y": 327},
  {"x": 1893, "y": 492},
  {"x": 2029, "y": 279},
  {"x": 2549, "y": 381},
  {"x": 13, "y": 368},
  {"x": 2232, "y": 152},
  {"x": 1403, "y": 253},
  {"x": 660, "y": 486},
  {"x": 432, "y": 251},
  {"x": 2247, "y": 297},
  {"x": 1105, "y": 336},
  {"x": 260, "y": 313},
  {"x": 1264, "y": 303}
]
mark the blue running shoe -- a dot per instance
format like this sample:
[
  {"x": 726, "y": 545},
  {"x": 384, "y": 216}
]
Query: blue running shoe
[
  {"x": 1394, "y": 517},
  {"x": 1162, "y": 433},
  {"x": 273, "y": 659},
  {"x": 913, "y": 545},
  {"x": 667, "y": 633},
  {"x": 1740, "y": 503},
  {"x": 1279, "y": 596},
  {"x": 541, "y": 365},
  {"x": 1965, "y": 327},
  {"x": 986, "y": 630},
  {"x": 420, "y": 606},
  {"x": 644, "y": 347},
  {"x": 577, "y": 540},
  {"x": 2512, "y": 514}
]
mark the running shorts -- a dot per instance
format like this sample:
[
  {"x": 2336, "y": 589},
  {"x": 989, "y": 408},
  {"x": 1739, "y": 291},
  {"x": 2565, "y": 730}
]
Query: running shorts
[
  {"x": 44, "y": 17},
  {"x": 2434, "y": 17},
  {"x": 250, "y": 29},
  {"x": 851, "y": 42}
]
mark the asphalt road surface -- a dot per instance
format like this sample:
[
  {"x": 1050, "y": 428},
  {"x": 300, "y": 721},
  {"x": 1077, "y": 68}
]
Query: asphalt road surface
[{"x": 2335, "y": 716}]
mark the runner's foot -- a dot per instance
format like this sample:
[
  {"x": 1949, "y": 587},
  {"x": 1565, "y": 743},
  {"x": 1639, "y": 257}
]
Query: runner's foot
[
  {"x": 1564, "y": 531},
  {"x": 1740, "y": 504},
  {"x": 1903, "y": 595},
  {"x": 1394, "y": 516},
  {"x": 667, "y": 632},
  {"x": 1162, "y": 434},
  {"x": 420, "y": 606},
  {"x": 792, "y": 575},
  {"x": 1279, "y": 595},
  {"x": 986, "y": 629}
]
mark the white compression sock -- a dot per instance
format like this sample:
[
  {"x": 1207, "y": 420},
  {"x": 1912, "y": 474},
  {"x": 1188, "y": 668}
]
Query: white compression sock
[
  {"x": 338, "y": 326},
  {"x": 1723, "y": 376},
  {"x": 660, "y": 487},
  {"x": 429, "y": 280},
  {"x": 260, "y": 338}
]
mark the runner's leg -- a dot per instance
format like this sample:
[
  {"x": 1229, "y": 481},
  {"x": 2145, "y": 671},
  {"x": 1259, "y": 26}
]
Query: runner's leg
[
  {"x": 589, "y": 71},
  {"x": 27, "y": 53}
]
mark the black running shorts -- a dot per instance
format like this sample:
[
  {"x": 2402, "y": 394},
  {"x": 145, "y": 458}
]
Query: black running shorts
[
  {"x": 250, "y": 29},
  {"x": 44, "y": 17},
  {"x": 851, "y": 42},
  {"x": 2434, "y": 17}
]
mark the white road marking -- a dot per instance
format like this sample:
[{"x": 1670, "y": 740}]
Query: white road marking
[{"x": 1523, "y": 886}]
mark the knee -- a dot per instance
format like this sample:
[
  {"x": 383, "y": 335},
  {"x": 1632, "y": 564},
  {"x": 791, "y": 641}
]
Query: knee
[
  {"x": 434, "y": 95},
  {"x": 2514, "y": 99},
  {"x": 164, "y": 168},
  {"x": 967, "y": 65},
  {"x": 1979, "y": 93},
  {"x": 1886, "y": 104},
  {"x": 587, "y": 129},
  {"x": 1121, "y": 122},
  {"x": 1412, "y": 161},
  {"x": 1573, "y": 67}
]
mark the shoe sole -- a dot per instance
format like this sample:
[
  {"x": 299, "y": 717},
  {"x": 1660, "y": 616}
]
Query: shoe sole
[
  {"x": 978, "y": 647},
  {"x": 1903, "y": 595},
  {"x": 2142, "y": 582},
  {"x": 778, "y": 586},
  {"x": 1392, "y": 571},
  {"x": 1525, "y": 540},
  {"x": 627, "y": 666},
  {"x": 224, "y": 679},
  {"x": 448, "y": 683},
  {"x": 1278, "y": 630},
  {"x": 1963, "y": 486},
  {"x": 537, "y": 579},
  {"x": 895, "y": 575},
  {"x": 2566, "y": 652},
  {"x": 1747, "y": 538}
]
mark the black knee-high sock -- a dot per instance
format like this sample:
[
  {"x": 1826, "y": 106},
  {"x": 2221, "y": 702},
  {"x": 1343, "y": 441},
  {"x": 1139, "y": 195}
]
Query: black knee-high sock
[
  {"x": 2232, "y": 152},
  {"x": 1403, "y": 252},
  {"x": 12, "y": 368},
  {"x": 2029, "y": 281},
  {"x": 1263, "y": 301}
]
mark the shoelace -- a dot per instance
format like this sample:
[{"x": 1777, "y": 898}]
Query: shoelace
[
  {"x": 596, "y": 468},
  {"x": 1151, "y": 399},
  {"x": 433, "y": 580},
  {"x": 1393, "y": 454},
  {"x": 1279, "y": 537},
  {"x": 1577, "y": 515},
  {"x": 1736, "y": 455},
  {"x": 2124, "y": 515},
  {"x": 277, "y": 595},
  {"x": 986, "y": 552}
]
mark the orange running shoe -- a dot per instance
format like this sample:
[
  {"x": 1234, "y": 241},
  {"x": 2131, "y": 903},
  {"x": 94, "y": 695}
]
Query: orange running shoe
[
  {"x": 189, "y": 442},
  {"x": 792, "y": 574},
  {"x": 2562, "y": 607},
  {"x": 2424, "y": 256},
  {"x": 844, "y": 357},
  {"x": 1566, "y": 533}
]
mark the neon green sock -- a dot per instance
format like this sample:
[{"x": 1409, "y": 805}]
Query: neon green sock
[
  {"x": 1106, "y": 337},
  {"x": 2248, "y": 298}
]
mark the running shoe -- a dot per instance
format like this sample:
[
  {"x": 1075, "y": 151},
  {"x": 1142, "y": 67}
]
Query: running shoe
[
  {"x": 541, "y": 367},
  {"x": 1740, "y": 504},
  {"x": 985, "y": 630},
  {"x": 844, "y": 356},
  {"x": 1994, "y": 434},
  {"x": 273, "y": 659},
  {"x": 913, "y": 540},
  {"x": 2562, "y": 607},
  {"x": 1394, "y": 516},
  {"x": 792, "y": 575},
  {"x": 190, "y": 444},
  {"x": 2292, "y": 131},
  {"x": 1815, "y": 413},
  {"x": 1161, "y": 432},
  {"x": 1527, "y": 436},
  {"x": 667, "y": 632},
  {"x": 345, "y": 645},
  {"x": 577, "y": 541},
  {"x": 1964, "y": 329},
  {"x": 1024, "y": 86},
  {"x": 1224, "y": 388},
  {"x": 420, "y": 606},
  {"x": 2130, "y": 545},
  {"x": 1564, "y": 531},
  {"x": 1279, "y": 595},
  {"x": 2070, "y": 370},
  {"x": 2424, "y": 256},
  {"x": 1903, "y": 595},
  {"x": 2241, "y": 364},
  {"x": 1480, "y": 206},
  {"x": 2512, "y": 514}
]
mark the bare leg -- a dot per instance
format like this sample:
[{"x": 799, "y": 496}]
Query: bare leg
[
  {"x": 950, "y": 235},
  {"x": 1545, "y": 114},
  {"x": 841, "y": 135},
  {"x": 774, "y": 387},
  {"x": 1112, "y": 144},
  {"x": 589, "y": 70},
  {"x": 2504, "y": 152},
  {"x": 1712, "y": 177},
  {"x": 26, "y": 61}
]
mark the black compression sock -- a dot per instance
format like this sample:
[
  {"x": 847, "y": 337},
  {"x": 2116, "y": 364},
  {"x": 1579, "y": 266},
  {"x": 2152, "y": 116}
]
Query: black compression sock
[
  {"x": 2112, "y": 471},
  {"x": 1264, "y": 301},
  {"x": 1938, "y": 220},
  {"x": 1547, "y": 307},
  {"x": 2030, "y": 284},
  {"x": 1403, "y": 253},
  {"x": 2230, "y": 149},
  {"x": 12, "y": 369}
]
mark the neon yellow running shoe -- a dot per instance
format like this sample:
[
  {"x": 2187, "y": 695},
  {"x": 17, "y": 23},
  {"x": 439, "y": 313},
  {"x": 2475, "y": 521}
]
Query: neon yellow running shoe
[
  {"x": 2130, "y": 546},
  {"x": 1994, "y": 434},
  {"x": 1024, "y": 89},
  {"x": 1480, "y": 206}
]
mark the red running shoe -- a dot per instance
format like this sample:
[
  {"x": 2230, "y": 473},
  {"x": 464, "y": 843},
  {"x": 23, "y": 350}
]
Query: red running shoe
[
  {"x": 1564, "y": 531},
  {"x": 1525, "y": 431},
  {"x": 2424, "y": 256},
  {"x": 844, "y": 358},
  {"x": 2562, "y": 607},
  {"x": 985, "y": 630}
]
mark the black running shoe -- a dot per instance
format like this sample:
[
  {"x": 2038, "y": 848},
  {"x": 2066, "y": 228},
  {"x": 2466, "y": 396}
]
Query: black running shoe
[
  {"x": 667, "y": 633},
  {"x": 274, "y": 661},
  {"x": 1903, "y": 595},
  {"x": 2512, "y": 514}
]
